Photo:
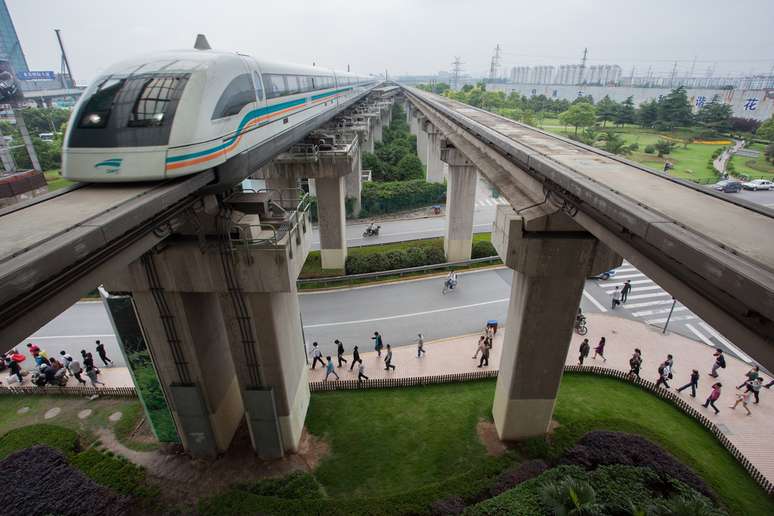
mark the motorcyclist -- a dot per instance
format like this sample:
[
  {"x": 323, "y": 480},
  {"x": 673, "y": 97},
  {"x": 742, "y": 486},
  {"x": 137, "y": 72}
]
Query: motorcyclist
[
  {"x": 371, "y": 229},
  {"x": 451, "y": 280}
]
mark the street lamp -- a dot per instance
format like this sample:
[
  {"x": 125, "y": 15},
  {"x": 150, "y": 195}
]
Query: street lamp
[{"x": 674, "y": 301}]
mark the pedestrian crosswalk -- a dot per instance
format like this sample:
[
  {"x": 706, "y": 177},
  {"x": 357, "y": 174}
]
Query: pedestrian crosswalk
[
  {"x": 651, "y": 304},
  {"x": 491, "y": 201}
]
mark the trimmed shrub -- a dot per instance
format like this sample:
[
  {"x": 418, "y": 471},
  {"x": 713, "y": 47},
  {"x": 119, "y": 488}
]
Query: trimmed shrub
[
  {"x": 650, "y": 149},
  {"x": 433, "y": 255},
  {"x": 482, "y": 249},
  {"x": 388, "y": 197},
  {"x": 57, "y": 437},
  {"x": 398, "y": 259}
]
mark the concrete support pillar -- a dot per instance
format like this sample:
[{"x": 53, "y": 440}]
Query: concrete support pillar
[
  {"x": 376, "y": 130},
  {"x": 460, "y": 204},
  {"x": 331, "y": 213},
  {"x": 434, "y": 164},
  {"x": 551, "y": 259},
  {"x": 354, "y": 184},
  {"x": 421, "y": 140}
]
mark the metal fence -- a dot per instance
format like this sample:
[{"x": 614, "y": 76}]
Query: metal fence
[{"x": 112, "y": 392}]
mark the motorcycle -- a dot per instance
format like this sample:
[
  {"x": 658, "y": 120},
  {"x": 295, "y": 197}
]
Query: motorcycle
[
  {"x": 371, "y": 231},
  {"x": 448, "y": 285},
  {"x": 580, "y": 325}
]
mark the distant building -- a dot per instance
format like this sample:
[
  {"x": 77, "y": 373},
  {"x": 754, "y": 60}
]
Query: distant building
[{"x": 10, "y": 48}]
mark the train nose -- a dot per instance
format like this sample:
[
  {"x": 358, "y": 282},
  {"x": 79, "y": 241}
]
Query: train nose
[{"x": 102, "y": 165}]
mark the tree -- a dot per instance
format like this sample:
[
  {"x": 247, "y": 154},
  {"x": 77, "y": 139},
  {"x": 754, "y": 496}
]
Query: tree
[
  {"x": 715, "y": 116},
  {"x": 648, "y": 113},
  {"x": 674, "y": 110},
  {"x": 769, "y": 152},
  {"x": 615, "y": 144},
  {"x": 409, "y": 167},
  {"x": 744, "y": 125},
  {"x": 582, "y": 114},
  {"x": 663, "y": 147},
  {"x": 626, "y": 113},
  {"x": 606, "y": 110},
  {"x": 766, "y": 130}
]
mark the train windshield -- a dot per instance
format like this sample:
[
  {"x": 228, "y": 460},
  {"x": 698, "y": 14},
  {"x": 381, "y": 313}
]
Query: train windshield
[{"x": 97, "y": 109}]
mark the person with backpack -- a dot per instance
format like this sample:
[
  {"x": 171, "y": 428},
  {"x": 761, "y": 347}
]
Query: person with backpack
[
  {"x": 584, "y": 351},
  {"x": 750, "y": 375},
  {"x": 103, "y": 355},
  {"x": 91, "y": 371},
  {"x": 720, "y": 362},
  {"x": 340, "y": 351},
  {"x": 713, "y": 397},
  {"x": 635, "y": 363},
  {"x": 754, "y": 387},
  {"x": 316, "y": 355},
  {"x": 378, "y": 344},
  {"x": 73, "y": 366},
  {"x": 664, "y": 373},
  {"x": 693, "y": 383},
  {"x": 355, "y": 357}
]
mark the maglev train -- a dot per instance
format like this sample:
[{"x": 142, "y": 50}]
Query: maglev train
[{"x": 175, "y": 113}]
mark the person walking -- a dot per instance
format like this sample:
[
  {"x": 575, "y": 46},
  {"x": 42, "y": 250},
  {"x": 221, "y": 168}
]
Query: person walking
[
  {"x": 378, "y": 344},
  {"x": 750, "y": 375},
  {"x": 361, "y": 372},
  {"x": 388, "y": 359},
  {"x": 484, "y": 355},
  {"x": 600, "y": 350},
  {"x": 713, "y": 397},
  {"x": 316, "y": 356},
  {"x": 91, "y": 371},
  {"x": 329, "y": 369},
  {"x": 616, "y": 297},
  {"x": 627, "y": 287},
  {"x": 420, "y": 345},
  {"x": 693, "y": 383},
  {"x": 664, "y": 373},
  {"x": 340, "y": 351},
  {"x": 480, "y": 346},
  {"x": 743, "y": 398},
  {"x": 754, "y": 387},
  {"x": 635, "y": 363},
  {"x": 15, "y": 368},
  {"x": 355, "y": 358},
  {"x": 103, "y": 355},
  {"x": 720, "y": 362},
  {"x": 73, "y": 366},
  {"x": 584, "y": 351}
]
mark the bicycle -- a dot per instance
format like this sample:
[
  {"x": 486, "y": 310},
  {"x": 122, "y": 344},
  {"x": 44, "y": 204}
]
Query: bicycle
[{"x": 580, "y": 325}]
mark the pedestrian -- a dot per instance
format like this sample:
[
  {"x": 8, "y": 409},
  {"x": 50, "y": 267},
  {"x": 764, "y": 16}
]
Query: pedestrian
[
  {"x": 378, "y": 344},
  {"x": 361, "y": 372},
  {"x": 66, "y": 359},
  {"x": 420, "y": 345},
  {"x": 693, "y": 383},
  {"x": 754, "y": 387},
  {"x": 484, "y": 355},
  {"x": 340, "y": 351},
  {"x": 713, "y": 397},
  {"x": 743, "y": 398},
  {"x": 664, "y": 374},
  {"x": 584, "y": 351},
  {"x": 616, "y": 297},
  {"x": 480, "y": 346},
  {"x": 635, "y": 362},
  {"x": 355, "y": 358},
  {"x": 73, "y": 366},
  {"x": 600, "y": 350},
  {"x": 720, "y": 362},
  {"x": 388, "y": 359},
  {"x": 768, "y": 385},
  {"x": 91, "y": 371},
  {"x": 316, "y": 356},
  {"x": 750, "y": 375},
  {"x": 15, "y": 368},
  {"x": 103, "y": 355},
  {"x": 627, "y": 287},
  {"x": 33, "y": 349},
  {"x": 329, "y": 369}
]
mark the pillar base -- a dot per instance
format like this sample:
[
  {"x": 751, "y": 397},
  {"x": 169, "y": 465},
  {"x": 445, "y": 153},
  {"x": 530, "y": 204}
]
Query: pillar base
[
  {"x": 292, "y": 425},
  {"x": 457, "y": 250},
  {"x": 520, "y": 419},
  {"x": 333, "y": 258}
]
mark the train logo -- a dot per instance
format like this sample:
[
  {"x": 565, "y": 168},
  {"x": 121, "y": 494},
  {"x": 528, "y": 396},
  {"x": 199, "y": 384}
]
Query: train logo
[{"x": 109, "y": 166}]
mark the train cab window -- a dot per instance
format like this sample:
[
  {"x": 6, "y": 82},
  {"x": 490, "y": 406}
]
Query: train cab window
[
  {"x": 95, "y": 113},
  {"x": 152, "y": 102},
  {"x": 274, "y": 85},
  {"x": 258, "y": 86},
  {"x": 238, "y": 94}
]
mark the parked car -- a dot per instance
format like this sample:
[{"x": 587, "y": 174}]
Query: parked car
[
  {"x": 605, "y": 275},
  {"x": 728, "y": 186},
  {"x": 758, "y": 184}
]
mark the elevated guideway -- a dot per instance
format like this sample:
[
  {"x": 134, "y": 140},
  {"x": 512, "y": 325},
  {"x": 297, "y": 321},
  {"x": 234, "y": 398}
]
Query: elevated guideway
[{"x": 716, "y": 255}]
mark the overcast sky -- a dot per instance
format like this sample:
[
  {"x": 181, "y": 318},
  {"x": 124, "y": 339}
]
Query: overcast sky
[{"x": 409, "y": 36}]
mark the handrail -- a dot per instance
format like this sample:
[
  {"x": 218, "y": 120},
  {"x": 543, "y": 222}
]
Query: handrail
[
  {"x": 398, "y": 272},
  {"x": 293, "y": 222}
]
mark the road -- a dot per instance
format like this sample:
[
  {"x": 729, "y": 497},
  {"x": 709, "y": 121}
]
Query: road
[{"x": 766, "y": 198}]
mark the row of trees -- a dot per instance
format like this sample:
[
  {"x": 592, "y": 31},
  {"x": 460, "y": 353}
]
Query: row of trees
[
  {"x": 39, "y": 120},
  {"x": 395, "y": 158}
]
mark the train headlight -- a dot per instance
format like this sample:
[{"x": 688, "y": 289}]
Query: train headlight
[{"x": 93, "y": 119}]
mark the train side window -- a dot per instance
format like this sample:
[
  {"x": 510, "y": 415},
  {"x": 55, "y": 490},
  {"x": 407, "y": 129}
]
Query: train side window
[
  {"x": 152, "y": 102},
  {"x": 293, "y": 85},
  {"x": 238, "y": 94},
  {"x": 258, "y": 86},
  {"x": 97, "y": 110},
  {"x": 274, "y": 85}
]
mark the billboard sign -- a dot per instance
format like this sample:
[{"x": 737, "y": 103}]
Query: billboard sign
[
  {"x": 44, "y": 75},
  {"x": 10, "y": 90}
]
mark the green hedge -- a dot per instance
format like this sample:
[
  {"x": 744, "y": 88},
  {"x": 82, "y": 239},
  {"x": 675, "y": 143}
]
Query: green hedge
[
  {"x": 397, "y": 259},
  {"x": 392, "y": 196},
  {"x": 62, "y": 439},
  {"x": 482, "y": 249}
]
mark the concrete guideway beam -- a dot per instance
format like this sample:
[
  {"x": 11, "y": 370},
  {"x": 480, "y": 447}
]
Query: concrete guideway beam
[
  {"x": 550, "y": 269},
  {"x": 460, "y": 203}
]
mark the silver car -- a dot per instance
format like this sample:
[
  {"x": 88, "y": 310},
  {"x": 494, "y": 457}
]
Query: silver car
[{"x": 758, "y": 184}]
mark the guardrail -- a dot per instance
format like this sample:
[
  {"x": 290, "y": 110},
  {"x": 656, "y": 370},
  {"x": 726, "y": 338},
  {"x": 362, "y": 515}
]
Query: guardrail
[
  {"x": 397, "y": 272},
  {"x": 113, "y": 392},
  {"x": 295, "y": 221}
]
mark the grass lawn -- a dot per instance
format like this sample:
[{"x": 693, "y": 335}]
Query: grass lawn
[
  {"x": 756, "y": 168},
  {"x": 388, "y": 441},
  {"x": 55, "y": 180}
]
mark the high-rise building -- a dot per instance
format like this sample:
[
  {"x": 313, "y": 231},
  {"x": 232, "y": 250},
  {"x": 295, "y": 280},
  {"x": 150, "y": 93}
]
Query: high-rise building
[{"x": 10, "y": 48}]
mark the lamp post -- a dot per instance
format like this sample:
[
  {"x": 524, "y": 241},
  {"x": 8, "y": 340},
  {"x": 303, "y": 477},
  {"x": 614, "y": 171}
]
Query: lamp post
[{"x": 674, "y": 301}]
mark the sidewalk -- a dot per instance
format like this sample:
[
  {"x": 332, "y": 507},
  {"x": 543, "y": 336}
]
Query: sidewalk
[{"x": 751, "y": 435}]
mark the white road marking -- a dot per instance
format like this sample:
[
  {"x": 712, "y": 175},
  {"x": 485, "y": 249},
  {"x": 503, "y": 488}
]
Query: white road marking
[
  {"x": 645, "y": 313},
  {"x": 628, "y": 269},
  {"x": 389, "y": 317},
  {"x": 635, "y": 282},
  {"x": 648, "y": 303},
  {"x": 645, "y": 296},
  {"x": 594, "y": 301},
  {"x": 639, "y": 289},
  {"x": 673, "y": 319},
  {"x": 738, "y": 352},
  {"x": 700, "y": 335},
  {"x": 624, "y": 276}
]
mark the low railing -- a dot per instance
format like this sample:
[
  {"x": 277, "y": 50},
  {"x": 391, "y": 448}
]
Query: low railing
[
  {"x": 397, "y": 272},
  {"x": 113, "y": 392}
]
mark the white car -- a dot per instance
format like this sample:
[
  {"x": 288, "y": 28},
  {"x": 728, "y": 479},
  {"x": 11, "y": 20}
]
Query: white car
[{"x": 758, "y": 184}]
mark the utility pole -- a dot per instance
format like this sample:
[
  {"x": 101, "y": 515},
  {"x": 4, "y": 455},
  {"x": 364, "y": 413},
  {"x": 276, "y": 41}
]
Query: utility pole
[
  {"x": 494, "y": 66},
  {"x": 65, "y": 61},
  {"x": 583, "y": 65},
  {"x": 631, "y": 78},
  {"x": 456, "y": 71}
]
